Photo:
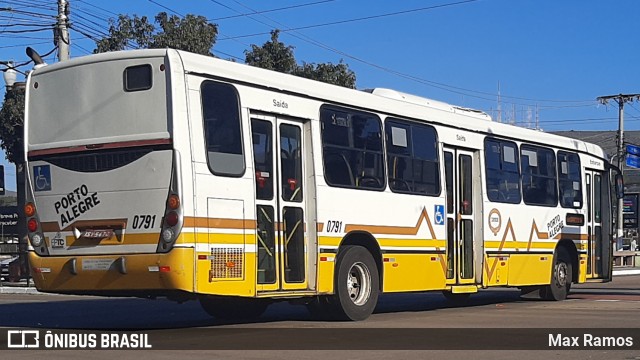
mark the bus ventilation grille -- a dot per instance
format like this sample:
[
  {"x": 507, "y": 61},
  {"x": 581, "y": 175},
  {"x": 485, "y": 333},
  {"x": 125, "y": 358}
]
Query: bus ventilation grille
[
  {"x": 226, "y": 264},
  {"x": 98, "y": 162}
]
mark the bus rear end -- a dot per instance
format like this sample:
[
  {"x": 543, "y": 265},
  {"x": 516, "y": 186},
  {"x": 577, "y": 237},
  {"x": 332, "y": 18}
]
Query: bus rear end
[{"x": 103, "y": 187}]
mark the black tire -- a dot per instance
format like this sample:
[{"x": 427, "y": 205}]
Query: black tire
[
  {"x": 561, "y": 277},
  {"x": 457, "y": 298},
  {"x": 356, "y": 283},
  {"x": 233, "y": 308}
]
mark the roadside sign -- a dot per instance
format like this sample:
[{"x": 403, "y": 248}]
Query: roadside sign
[
  {"x": 633, "y": 161},
  {"x": 633, "y": 149},
  {"x": 630, "y": 210},
  {"x": 9, "y": 220}
]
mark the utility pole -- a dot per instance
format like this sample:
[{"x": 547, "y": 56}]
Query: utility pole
[
  {"x": 621, "y": 99},
  {"x": 62, "y": 33}
]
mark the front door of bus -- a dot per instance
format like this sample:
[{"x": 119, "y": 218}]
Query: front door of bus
[
  {"x": 459, "y": 176},
  {"x": 598, "y": 251},
  {"x": 278, "y": 150}
]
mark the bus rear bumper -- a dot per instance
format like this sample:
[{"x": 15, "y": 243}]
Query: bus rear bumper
[{"x": 114, "y": 274}]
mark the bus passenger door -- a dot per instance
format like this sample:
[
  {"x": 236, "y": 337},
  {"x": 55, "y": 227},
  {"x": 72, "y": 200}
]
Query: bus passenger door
[
  {"x": 463, "y": 251},
  {"x": 281, "y": 231},
  {"x": 598, "y": 251}
]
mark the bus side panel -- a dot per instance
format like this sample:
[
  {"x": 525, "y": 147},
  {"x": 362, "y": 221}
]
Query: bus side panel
[
  {"x": 224, "y": 209},
  {"x": 410, "y": 272},
  {"x": 530, "y": 269}
]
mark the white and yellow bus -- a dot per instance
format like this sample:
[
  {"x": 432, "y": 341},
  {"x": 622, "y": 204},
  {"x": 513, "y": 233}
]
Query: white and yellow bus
[{"x": 164, "y": 173}]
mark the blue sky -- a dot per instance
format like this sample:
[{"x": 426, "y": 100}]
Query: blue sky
[{"x": 553, "y": 56}]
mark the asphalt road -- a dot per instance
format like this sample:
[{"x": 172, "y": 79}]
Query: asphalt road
[{"x": 612, "y": 305}]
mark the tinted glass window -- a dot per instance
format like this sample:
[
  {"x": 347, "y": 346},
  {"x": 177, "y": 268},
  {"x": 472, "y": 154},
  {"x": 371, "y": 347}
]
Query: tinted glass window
[
  {"x": 412, "y": 156},
  {"x": 291, "y": 163},
  {"x": 503, "y": 174},
  {"x": 352, "y": 148},
  {"x": 539, "y": 184},
  {"x": 137, "y": 78},
  {"x": 569, "y": 180},
  {"x": 263, "y": 158},
  {"x": 223, "y": 135}
]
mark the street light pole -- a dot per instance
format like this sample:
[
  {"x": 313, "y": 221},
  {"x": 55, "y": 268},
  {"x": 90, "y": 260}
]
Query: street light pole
[
  {"x": 63, "y": 32},
  {"x": 621, "y": 99}
]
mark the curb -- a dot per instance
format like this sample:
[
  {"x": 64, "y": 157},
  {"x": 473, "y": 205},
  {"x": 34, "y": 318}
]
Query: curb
[
  {"x": 622, "y": 272},
  {"x": 18, "y": 290}
]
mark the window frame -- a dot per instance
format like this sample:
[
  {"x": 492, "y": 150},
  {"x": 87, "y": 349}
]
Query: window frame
[
  {"x": 411, "y": 125},
  {"x": 538, "y": 149},
  {"x": 487, "y": 170},
  {"x": 567, "y": 154},
  {"x": 125, "y": 82},
  {"x": 350, "y": 112},
  {"x": 240, "y": 129}
]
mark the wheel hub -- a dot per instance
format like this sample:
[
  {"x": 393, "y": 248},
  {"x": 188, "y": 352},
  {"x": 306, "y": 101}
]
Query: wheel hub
[
  {"x": 359, "y": 283},
  {"x": 561, "y": 274}
]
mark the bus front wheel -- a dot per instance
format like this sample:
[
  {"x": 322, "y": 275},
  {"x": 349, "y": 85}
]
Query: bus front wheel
[{"x": 356, "y": 283}]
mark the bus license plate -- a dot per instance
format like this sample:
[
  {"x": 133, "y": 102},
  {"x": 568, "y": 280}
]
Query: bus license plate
[
  {"x": 57, "y": 243},
  {"x": 97, "y": 234}
]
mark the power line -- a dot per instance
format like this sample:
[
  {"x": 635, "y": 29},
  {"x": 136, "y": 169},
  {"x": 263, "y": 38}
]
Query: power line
[
  {"x": 31, "y": 13},
  {"x": 450, "y": 88},
  {"x": 26, "y": 30},
  {"x": 356, "y": 19},
  {"x": 166, "y": 8},
  {"x": 98, "y": 7},
  {"x": 21, "y": 45},
  {"x": 255, "y": 12}
]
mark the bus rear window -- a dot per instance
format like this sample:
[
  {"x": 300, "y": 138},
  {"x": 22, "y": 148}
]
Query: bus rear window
[{"x": 137, "y": 78}]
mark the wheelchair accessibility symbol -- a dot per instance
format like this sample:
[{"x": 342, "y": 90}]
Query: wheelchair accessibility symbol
[
  {"x": 438, "y": 216},
  {"x": 42, "y": 178}
]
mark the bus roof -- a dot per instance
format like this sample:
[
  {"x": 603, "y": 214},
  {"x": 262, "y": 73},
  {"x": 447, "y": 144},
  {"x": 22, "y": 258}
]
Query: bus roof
[{"x": 386, "y": 100}]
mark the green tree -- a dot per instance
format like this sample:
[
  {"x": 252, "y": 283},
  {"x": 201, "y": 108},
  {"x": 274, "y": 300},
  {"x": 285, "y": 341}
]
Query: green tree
[
  {"x": 272, "y": 55},
  {"x": 275, "y": 55},
  {"x": 12, "y": 125},
  {"x": 192, "y": 33},
  {"x": 338, "y": 74}
]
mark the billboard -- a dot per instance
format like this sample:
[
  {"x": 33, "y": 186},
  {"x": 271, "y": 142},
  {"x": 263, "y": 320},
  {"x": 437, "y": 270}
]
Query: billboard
[
  {"x": 630, "y": 211},
  {"x": 9, "y": 220}
]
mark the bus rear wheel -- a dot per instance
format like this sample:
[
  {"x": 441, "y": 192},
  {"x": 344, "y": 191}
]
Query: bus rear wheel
[
  {"x": 230, "y": 308},
  {"x": 561, "y": 277},
  {"x": 356, "y": 283}
]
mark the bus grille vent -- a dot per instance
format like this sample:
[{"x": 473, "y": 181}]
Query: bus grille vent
[
  {"x": 98, "y": 162},
  {"x": 226, "y": 264}
]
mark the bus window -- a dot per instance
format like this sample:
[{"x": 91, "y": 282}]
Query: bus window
[
  {"x": 223, "y": 135},
  {"x": 352, "y": 149},
  {"x": 263, "y": 158},
  {"x": 291, "y": 163},
  {"x": 503, "y": 174},
  {"x": 570, "y": 180},
  {"x": 138, "y": 78},
  {"x": 539, "y": 184},
  {"x": 412, "y": 157}
]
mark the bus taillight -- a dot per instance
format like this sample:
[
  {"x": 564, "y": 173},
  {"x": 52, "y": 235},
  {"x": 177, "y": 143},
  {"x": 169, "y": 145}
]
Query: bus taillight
[
  {"x": 172, "y": 219},
  {"x": 173, "y": 202},
  {"x": 29, "y": 209},
  {"x": 33, "y": 226}
]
